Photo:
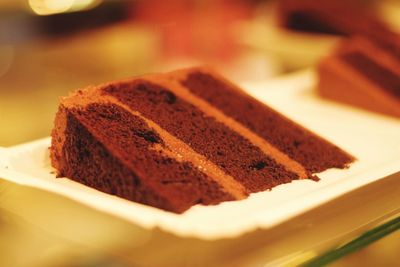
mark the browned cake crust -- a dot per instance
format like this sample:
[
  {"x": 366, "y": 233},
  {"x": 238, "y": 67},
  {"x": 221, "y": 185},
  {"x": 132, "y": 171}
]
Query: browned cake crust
[
  {"x": 362, "y": 74},
  {"x": 183, "y": 138}
]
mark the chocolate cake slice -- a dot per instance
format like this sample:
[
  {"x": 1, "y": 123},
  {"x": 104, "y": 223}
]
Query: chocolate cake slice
[
  {"x": 182, "y": 138},
  {"x": 329, "y": 17},
  {"x": 362, "y": 74},
  {"x": 344, "y": 18}
]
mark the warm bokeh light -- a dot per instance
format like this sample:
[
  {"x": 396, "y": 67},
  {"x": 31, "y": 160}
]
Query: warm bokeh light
[{"x": 49, "y": 7}]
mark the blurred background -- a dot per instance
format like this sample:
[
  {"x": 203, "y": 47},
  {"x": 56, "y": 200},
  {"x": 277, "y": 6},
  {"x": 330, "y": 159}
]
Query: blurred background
[{"x": 51, "y": 47}]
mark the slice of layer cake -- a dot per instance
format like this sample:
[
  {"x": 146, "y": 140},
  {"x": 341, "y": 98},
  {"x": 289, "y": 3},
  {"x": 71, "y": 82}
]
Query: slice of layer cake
[
  {"x": 346, "y": 18},
  {"x": 182, "y": 138},
  {"x": 363, "y": 74},
  {"x": 329, "y": 17}
]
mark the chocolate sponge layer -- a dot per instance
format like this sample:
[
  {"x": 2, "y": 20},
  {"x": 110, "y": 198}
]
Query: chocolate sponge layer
[
  {"x": 314, "y": 153},
  {"x": 109, "y": 149},
  {"x": 217, "y": 142},
  {"x": 383, "y": 77}
]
